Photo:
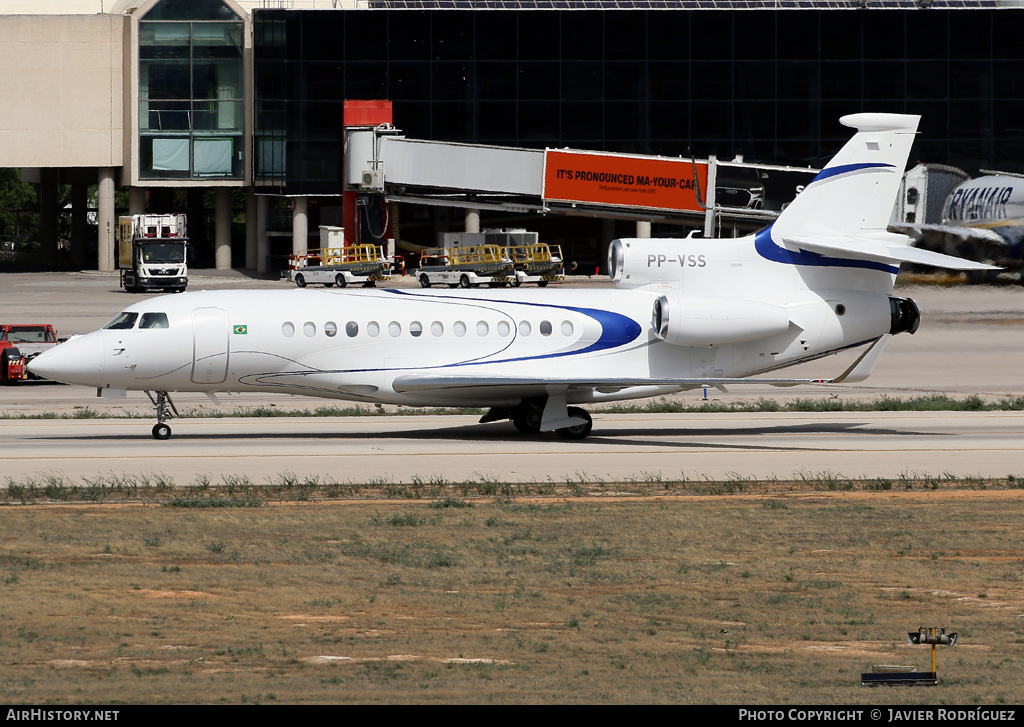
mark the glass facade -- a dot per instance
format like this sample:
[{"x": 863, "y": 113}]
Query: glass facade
[
  {"x": 191, "y": 92},
  {"x": 770, "y": 85}
]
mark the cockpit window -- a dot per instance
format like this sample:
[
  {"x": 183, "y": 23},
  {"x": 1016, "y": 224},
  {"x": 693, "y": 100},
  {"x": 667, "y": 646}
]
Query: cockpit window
[
  {"x": 123, "y": 320},
  {"x": 153, "y": 320}
]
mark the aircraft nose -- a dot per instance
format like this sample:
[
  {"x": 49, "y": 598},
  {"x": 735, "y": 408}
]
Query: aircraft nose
[{"x": 78, "y": 360}]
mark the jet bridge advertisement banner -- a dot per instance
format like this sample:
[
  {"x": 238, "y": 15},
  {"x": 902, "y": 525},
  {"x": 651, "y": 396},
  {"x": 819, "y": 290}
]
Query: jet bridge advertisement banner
[{"x": 623, "y": 181}]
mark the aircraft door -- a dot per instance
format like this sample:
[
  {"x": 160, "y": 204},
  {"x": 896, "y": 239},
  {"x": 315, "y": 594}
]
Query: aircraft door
[{"x": 210, "y": 345}]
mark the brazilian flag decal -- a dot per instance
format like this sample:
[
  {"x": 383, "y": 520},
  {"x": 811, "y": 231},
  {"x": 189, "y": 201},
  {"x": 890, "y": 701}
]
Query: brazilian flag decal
[{"x": 241, "y": 330}]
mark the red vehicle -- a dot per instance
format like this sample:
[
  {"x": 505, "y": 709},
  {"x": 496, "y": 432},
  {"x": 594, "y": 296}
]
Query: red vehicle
[
  {"x": 19, "y": 344},
  {"x": 12, "y": 364}
]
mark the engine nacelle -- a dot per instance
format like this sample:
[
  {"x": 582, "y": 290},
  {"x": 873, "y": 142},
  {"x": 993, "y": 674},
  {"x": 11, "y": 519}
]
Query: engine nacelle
[
  {"x": 905, "y": 315},
  {"x": 636, "y": 262},
  {"x": 705, "y": 321}
]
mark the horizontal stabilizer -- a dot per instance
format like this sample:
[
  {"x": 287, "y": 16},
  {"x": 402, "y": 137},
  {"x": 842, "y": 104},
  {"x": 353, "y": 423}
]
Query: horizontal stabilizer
[{"x": 878, "y": 251}]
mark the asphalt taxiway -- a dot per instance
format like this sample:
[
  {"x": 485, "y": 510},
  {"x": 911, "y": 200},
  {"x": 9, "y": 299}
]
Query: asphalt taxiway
[{"x": 453, "y": 448}]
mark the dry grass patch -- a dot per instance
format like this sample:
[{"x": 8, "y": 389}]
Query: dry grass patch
[{"x": 731, "y": 599}]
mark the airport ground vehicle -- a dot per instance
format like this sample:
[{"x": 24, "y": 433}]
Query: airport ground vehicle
[
  {"x": 536, "y": 262},
  {"x": 12, "y": 364},
  {"x": 465, "y": 267},
  {"x": 532, "y": 261},
  {"x": 153, "y": 252},
  {"x": 19, "y": 344},
  {"x": 341, "y": 266},
  {"x": 335, "y": 263}
]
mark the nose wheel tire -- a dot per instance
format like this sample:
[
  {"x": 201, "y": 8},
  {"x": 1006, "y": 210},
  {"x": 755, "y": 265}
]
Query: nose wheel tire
[{"x": 161, "y": 431}]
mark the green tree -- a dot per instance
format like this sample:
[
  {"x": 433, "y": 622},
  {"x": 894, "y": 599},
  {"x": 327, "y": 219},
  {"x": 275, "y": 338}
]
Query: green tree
[{"x": 19, "y": 205}]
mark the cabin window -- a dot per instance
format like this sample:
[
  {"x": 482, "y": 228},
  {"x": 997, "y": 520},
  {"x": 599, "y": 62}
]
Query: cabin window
[
  {"x": 482, "y": 329},
  {"x": 153, "y": 320},
  {"x": 331, "y": 329},
  {"x": 525, "y": 328},
  {"x": 373, "y": 329},
  {"x": 288, "y": 329},
  {"x": 394, "y": 329},
  {"x": 545, "y": 328},
  {"x": 309, "y": 329},
  {"x": 415, "y": 329},
  {"x": 566, "y": 328},
  {"x": 122, "y": 321},
  {"x": 504, "y": 328},
  {"x": 459, "y": 328},
  {"x": 437, "y": 329},
  {"x": 351, "y": 329}
]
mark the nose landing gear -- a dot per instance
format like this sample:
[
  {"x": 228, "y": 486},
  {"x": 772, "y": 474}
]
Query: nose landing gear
[{"x": 164, "y": 410}]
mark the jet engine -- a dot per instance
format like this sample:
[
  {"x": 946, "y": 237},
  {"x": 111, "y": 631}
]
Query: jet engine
[
  {"x": 905, "y": 315},
  {"x": 706, "y": 321},
  {"x": 632, "y": 262}
]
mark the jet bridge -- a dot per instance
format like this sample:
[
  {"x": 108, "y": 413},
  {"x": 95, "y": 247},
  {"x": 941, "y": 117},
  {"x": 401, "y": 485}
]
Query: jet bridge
[{"x": 381, "y": 160}]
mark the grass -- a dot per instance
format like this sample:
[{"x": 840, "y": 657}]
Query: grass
[
  {"x": 662, "y": 405},
  {"x": 238, "y": 491},
  {"x": 745, "y": 598}
]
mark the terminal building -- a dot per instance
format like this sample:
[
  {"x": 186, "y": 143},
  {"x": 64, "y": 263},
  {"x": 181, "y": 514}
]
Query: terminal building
[{"x": 238, "y": 111}]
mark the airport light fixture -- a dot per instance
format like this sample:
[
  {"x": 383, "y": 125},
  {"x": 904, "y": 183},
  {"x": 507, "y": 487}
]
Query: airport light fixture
[{"x": 933, "y": 636}]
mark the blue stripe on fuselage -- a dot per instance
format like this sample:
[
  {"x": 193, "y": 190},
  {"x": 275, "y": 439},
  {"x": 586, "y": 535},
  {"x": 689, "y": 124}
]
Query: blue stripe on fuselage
[{"x": 616, "y": 329}]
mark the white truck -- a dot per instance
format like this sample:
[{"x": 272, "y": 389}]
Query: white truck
[{"x": 153, "y": 252}]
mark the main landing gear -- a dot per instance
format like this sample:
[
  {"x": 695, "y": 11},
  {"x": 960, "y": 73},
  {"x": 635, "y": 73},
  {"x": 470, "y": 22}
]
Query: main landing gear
[
  {"x": 164, "y": 410},
  {"x": 543, "y": 415}
]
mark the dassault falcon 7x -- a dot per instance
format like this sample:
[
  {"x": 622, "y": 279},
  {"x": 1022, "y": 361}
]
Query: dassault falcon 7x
[{"x": 684, "y": 314}]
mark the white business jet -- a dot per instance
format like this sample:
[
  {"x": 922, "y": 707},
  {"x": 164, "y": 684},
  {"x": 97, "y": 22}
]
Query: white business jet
[{"x": 684, "y": 314}]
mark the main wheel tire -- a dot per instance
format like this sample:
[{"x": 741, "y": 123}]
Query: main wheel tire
[
  {"x": 161, "y": 431},
  {"x": 527, "y": 421},
  {"x": 464, "y": 281},
  {"x": 340, "y": 280},
  {"x": 300, "y": 280},
  {"x": 577, "y": 431},
  {"x": 424, "y": 281}
]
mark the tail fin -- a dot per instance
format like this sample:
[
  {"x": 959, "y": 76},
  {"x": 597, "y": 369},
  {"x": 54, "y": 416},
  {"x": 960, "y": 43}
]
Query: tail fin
[
  {"x": 855, "y": 192},
  {"x": 846, "y": 209}
]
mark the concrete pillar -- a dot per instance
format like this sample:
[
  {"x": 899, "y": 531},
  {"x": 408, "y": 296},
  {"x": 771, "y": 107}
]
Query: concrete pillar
[
  {"x": 262, "y": 239},
  {"x": 136, "y": 201},
  {"x": 222, "y": 229},
  {"x": 106, "y": 219},
  {"x": 472, "y": 220},
  {"x": 300, "y": 224},
  {"x": 643, "y": 228},
  {"x": 251, "y": 216}
]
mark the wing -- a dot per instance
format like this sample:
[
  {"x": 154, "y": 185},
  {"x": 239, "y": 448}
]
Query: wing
[{"x": 513, "y": 389}]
